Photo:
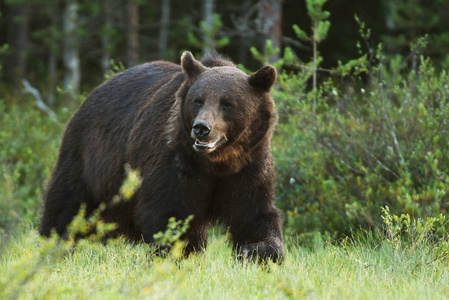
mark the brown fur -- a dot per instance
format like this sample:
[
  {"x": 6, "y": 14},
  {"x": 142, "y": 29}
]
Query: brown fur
[{"x": 146, "y": 116}]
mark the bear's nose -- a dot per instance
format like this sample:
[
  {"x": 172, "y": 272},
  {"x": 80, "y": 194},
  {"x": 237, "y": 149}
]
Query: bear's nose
[{"x": 201, "y": 129}]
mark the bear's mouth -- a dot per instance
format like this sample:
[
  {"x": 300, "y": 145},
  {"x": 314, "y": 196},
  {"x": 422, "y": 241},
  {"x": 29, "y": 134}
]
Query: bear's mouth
[{"x": 209, "y": 146}]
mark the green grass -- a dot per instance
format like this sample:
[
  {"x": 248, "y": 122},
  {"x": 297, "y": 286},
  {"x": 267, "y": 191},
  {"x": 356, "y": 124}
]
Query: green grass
[{"x": 32, "y": 268}]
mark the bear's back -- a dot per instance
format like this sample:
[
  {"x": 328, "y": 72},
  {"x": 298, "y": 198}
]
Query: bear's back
[
  {"x": 131, "y": 87},
  {"x": 99, "y": 131}
]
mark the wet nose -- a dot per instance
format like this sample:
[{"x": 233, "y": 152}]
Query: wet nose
[{"x": 200, "y": 129}]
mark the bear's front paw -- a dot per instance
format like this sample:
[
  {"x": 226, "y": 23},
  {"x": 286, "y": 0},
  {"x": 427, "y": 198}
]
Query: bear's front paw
[{"x": 261, "y": 252}]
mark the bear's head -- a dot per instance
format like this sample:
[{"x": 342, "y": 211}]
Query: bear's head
[{"x": 225, "y": 110}]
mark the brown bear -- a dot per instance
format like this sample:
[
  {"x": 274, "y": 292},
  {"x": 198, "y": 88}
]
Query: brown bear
[{"x": 200, "y": 136}]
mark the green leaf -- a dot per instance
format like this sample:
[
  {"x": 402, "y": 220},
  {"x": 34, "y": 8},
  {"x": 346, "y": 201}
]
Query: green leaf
[
  {"x": 300, "y": 33},
  {"x": 322, "y": 29},
  {"x": 223, "y": 42},
  {"x": 289, "y": 57}
]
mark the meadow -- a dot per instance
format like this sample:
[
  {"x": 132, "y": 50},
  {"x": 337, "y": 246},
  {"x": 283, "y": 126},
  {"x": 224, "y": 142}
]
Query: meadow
[{"x": 366, "y": 267}]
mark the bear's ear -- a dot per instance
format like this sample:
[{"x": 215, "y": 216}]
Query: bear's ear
[
  {"x": 263, "y": 79},
  {"x": 192, "y": 68}
]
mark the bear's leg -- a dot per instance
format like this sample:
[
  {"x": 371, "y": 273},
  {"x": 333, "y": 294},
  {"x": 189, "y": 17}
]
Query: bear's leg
[
  {"x": 196, "y": 238},
  {"x": 259, "y": 237},
  {"x": 64, "y": 196},
  {"x": 247, "y": 208}
]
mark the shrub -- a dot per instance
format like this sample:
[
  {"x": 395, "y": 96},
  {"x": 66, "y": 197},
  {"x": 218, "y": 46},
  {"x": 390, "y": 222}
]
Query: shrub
[
  {"x": 370, "y": 145},
  {"x": 30, "y": 141}
]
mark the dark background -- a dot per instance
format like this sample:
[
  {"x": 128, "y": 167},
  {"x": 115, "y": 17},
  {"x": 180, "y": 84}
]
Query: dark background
[{"x": 105, "y": 29}]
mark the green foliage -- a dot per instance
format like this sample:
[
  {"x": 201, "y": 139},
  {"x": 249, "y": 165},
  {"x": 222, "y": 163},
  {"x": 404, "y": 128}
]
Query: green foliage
[
  {"x": 368, "y": 62},
  {"x": 344, "y": 151},
  {"x": 3, "y": 49},
  {"x": 92, "y": 226},
  {"x": 212, "y": 32},
  {"x": 320, "y": 26},
  {"x": 301, "y": 34},
  {"x": 132, "y": 182},
  {"x": 411, "y": 19},
  {"x": 209, "y": 35},
  {"x": 115, "y": 69},
  {"x": 381, "y": 144},
  {"x": 30, "y": 142},
  {"x": 404, "y": 233},
  {"x": 175, "y": 229},
  {"x": 288, "y": 58}
]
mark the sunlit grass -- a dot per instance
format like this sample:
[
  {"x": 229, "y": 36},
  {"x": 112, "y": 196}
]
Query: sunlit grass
[{"x": 120, "y": 270}]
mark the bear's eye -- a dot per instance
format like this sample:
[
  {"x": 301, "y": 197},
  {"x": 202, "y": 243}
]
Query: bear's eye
[
  {"x": 198, "y": 102},
  {"x": 226, "y": 105}
]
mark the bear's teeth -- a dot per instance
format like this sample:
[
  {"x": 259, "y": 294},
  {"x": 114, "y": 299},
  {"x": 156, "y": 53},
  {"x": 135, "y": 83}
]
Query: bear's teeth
[{"x": 209, "y": 144}]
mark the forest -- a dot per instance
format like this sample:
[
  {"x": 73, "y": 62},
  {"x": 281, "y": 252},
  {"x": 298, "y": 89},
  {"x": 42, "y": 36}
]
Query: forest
[
  {"x": 360, "y": 149},
  {"x": 61, "y": 44}
]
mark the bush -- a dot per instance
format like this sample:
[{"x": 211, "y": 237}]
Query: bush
[
  {"x": 370, "y": 145},
  {"x": 30, "y": 141}
]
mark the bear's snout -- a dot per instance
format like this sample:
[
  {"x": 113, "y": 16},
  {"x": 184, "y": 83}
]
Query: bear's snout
[
  {"x": 201, "y": 129},
  {"x": 206, "y": 139}
]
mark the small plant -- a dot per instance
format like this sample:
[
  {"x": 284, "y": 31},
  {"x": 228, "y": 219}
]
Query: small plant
[
  {"x": 115, "y": 69},
  {"x": 288, "y": 58},
  {"x": 369, "y": 59},
  {"x": 320, "y": 28},
  {"x": 404, "y": 233},
  {"x": 210, "y": 39},
  {"x": 93, "y": 226},
  {"x": 170, "y": 238},
  {"x": 132, "y": 182}
]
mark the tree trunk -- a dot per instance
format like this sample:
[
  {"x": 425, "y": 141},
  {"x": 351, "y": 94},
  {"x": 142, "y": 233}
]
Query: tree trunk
[
  {"x": 163, "y": 33},
  {"x": 271, "y": 15},
  {"x": 133, "y": 33},
  {"x": 245, "y": 42},
  {"x": 18, "y": 40},
  {"x": 53, "y": 53},
  {"x": 105, "y": 37},
  {"x": 208, "y": 9},
  {"x": 72, "y": 73},
  {"x": 52, "y": 75}
]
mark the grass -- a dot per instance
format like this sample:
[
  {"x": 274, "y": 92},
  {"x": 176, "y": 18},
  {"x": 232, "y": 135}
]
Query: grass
[{"x": 32, "y": 268}]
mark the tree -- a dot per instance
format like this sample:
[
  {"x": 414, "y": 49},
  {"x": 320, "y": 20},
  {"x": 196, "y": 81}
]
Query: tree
[
  {"x": 72, "y": 70},
  {"x": 271, "y": 16},
  {"x": 105, "y": 35},
  {"x": 208, "y": 19},
  {"x": 132, "y": 10},
  {"x": 18, "y": 40},
  {"x": 53, "y": 51},
  {"x": 242, "y": 25},
  {"x": 408, "y": 20},
  {"x": 163, "y": 32}
]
